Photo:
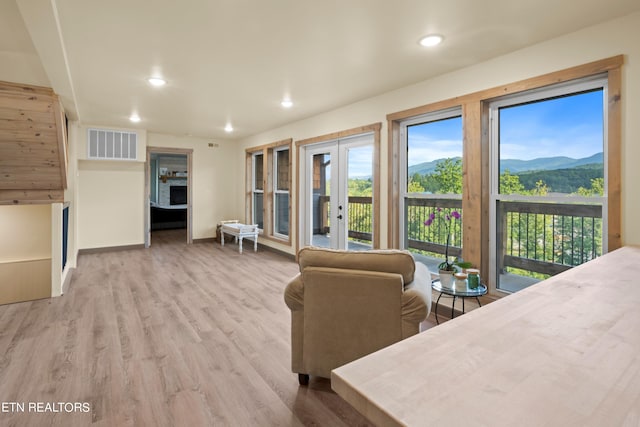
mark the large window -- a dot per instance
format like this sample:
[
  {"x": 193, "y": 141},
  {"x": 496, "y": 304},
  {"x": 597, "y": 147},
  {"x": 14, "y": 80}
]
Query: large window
[
  {"x": 268, "y": 184},
  {"x": 432, "y": 182},
  {"x": 548, "y": 181},
  {"x": 281, "y": 200},
  {"x": 541, "y": 182},
  {"x": 258, "y": 190}
]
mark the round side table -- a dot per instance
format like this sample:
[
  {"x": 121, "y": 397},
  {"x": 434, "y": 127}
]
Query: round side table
[{"x": 451, "y": 292}]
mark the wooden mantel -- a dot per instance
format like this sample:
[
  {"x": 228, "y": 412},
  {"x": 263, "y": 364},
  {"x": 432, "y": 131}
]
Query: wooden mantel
[
  {"x": 33, "y": 145},
  {"x": 564, "y": 352}
]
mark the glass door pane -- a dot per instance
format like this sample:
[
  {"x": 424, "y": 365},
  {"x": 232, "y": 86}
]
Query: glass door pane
[
  {"x": 320, "y": 199},
  {"x": 358, "y": 209},
  {"x": 338, "y": 192}
]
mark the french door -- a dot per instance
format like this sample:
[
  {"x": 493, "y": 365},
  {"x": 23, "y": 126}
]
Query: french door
[{"x": 337, "y": 195}]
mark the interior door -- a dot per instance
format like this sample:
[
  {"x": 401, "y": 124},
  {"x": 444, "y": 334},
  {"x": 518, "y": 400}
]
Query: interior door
[{"x": 338, "y": 187}]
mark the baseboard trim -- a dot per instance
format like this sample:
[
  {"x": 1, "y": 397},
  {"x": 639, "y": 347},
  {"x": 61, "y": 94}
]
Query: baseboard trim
[
  {"x": 248, "y": 246},
  {"x": 110, "y": 249},
  {"x": 67, "y": 280},
  {"x": 205, "y": 240},
  {"x": 278, "y": 251}
]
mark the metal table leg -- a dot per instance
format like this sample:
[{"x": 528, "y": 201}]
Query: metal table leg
[{"x": 436, "y": 308}]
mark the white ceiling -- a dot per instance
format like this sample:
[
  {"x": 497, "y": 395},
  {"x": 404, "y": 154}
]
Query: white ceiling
[{"x": 234, "y": 60}]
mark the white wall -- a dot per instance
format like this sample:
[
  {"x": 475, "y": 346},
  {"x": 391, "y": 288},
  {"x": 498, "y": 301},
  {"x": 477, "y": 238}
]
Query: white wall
[
  {"x": 612, "y": 38},
  {"x": 110, "y": 196},
  {"x": 19, "y": 61},
  {"x": 110, "y": 204}
]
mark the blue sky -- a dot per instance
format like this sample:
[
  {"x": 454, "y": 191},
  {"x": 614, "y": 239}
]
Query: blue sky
[
  {"x": 435, "y": 140},
  {"x": 361, "y": 162},
  {"x": 569, "y": 126}
]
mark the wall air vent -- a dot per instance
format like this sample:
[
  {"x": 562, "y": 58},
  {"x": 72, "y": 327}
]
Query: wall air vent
[{"x": 112, "y": 145}]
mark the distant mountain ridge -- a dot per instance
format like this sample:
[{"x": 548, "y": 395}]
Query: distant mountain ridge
[
  {"x": 517, "y": 166},
  {"x": 548, "y": 163}
]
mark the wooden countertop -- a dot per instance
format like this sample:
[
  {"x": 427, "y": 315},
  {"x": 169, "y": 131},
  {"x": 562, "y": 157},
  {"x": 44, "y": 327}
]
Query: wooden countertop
[{"x": 564, "y": 352}]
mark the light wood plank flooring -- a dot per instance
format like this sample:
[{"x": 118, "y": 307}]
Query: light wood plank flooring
[{"x": 182, "y": 335}]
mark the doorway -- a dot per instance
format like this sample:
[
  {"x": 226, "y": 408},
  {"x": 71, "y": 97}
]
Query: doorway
[
  {"x": 168, "y": 200},
  {"x": 337, "y": 196}
]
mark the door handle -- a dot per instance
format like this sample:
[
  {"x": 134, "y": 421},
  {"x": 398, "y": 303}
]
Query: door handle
[{"x": 339, "y": 216}]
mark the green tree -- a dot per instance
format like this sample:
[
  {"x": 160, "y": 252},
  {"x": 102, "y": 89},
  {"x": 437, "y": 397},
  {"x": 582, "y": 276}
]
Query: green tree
[
  {"x": 360, "y": 187},
  {"x": 448, "y": 176},
  {"x": 510, "y": 184},
  {"x": 415, "y": 187},
  {"x": 541, "y": 189},
  {"x": 415, "y": 184},
  {"x": 597, "y": 188},
  {"x": 360, "y": 213}
]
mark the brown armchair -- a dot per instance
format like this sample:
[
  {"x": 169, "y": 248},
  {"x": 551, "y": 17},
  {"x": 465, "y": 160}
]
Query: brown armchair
[{"x": 345, "y": 305}]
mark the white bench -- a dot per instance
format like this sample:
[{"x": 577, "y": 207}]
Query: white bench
[{"x": 240, "y": 231}]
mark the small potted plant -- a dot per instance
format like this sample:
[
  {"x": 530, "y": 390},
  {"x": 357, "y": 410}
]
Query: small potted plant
[{"x": 449, "y": 266}]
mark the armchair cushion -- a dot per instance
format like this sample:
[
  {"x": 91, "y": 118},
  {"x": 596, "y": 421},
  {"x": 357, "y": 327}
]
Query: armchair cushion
[{"x": 383, "y": 260}]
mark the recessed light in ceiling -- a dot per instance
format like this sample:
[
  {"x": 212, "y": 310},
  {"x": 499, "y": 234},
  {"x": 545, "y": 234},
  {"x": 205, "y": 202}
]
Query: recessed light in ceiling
[
  {"x": 228, "y": 128},
  {"x": 286, "y": 103},
  {"x": 134, "y": 118},
  {"x": 431, "y": 40},
  {"x": 156, "y": 81}
]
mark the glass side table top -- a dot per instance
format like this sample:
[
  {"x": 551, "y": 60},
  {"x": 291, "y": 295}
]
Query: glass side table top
[{"x": 479, "y": 291}]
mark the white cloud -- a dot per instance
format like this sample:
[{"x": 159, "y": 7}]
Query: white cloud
[{"x": 422, "y": 149}]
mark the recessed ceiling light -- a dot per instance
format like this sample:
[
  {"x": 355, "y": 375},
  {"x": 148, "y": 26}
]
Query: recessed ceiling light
[
  {"x": 228, "y": 128},
  {"x": 286, "y": 103},
  {"x": 134, "y": 118},
  {"x": 156, "y": 81},
  {"x": 431, "y": 40}
]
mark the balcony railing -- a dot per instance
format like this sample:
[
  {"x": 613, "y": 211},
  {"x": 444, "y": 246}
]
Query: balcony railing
[
  {"x": 360, "y": 217},
  {"x": 433, "y": 238},
  {"x": 430, "y": 239},
  {"x": 544, "y": 238},
  {"x": 548, "y": 238}
]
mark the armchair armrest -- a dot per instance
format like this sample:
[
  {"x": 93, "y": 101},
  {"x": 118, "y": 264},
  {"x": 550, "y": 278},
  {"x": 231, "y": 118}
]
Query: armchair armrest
[
  {"x": 294, "y": 294},
  {"x": 416, "y": 301}
]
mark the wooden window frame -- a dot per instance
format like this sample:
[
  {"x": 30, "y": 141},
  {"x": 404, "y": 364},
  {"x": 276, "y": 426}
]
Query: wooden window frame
[
  {"x": 475, "y": 173},
  {"x": 254, "y": 190},
  {"x": 275, "y": 190},
  {"x": 268, "y": 207}
]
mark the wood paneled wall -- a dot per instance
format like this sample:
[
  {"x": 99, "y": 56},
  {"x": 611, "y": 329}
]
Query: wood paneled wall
[{"x": 33, "y": 145}]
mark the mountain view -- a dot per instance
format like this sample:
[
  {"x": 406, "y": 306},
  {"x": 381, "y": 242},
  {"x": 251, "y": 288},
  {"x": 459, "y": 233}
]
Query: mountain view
[
  {"x": 550, "y": 174},
  {"x": 516, "y": 166}
]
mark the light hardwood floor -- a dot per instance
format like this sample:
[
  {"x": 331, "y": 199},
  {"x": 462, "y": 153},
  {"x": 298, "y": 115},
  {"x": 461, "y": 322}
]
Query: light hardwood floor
[{"x": 182, "y": 335}]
